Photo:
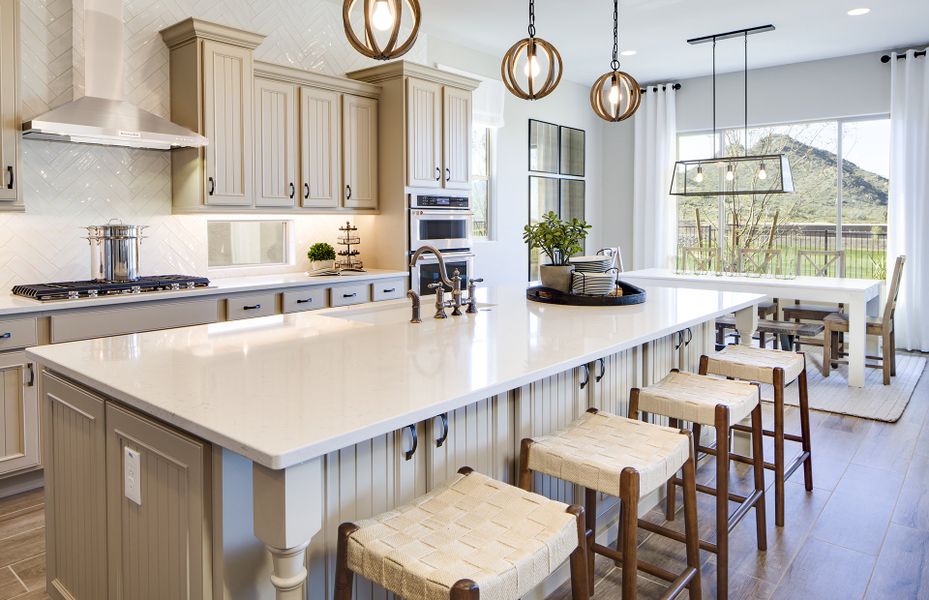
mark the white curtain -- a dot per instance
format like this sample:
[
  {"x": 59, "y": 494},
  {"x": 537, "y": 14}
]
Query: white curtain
[
  {"x": 908, "y": 206},
  {"x": 653, "y": 209}
]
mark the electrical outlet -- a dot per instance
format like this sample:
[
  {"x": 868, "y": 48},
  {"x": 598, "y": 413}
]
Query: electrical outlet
[{"x": 132, "y": 473}]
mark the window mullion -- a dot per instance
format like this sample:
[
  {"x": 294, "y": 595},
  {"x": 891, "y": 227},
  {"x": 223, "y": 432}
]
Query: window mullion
[{"x": 839, "y": 243}]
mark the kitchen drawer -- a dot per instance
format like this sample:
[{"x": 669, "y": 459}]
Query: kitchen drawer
[
  {"x": 85, "y": 324},
  {"x": 305, "y": 299},
  {"x": 254, "y": 305},
  {"x": 346, "y": 295},
  {"x": 388, "y": 289},
  {"x": 18, "y": 333}
]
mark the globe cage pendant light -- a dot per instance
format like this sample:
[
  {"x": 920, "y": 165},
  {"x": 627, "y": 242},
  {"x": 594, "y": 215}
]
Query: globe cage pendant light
[
  {"x": 528, "y": 51},
  {"x": 615, "y": 96},
  {"x": 385, "y": 16}
]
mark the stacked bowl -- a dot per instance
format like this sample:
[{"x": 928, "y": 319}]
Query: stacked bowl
[{"x": 593, "y": 275}]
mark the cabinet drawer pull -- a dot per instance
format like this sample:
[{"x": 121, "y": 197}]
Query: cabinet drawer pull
[
  {"x": 212, "y": 186},
  {"x": 352, "y": 295},
  {"x": 31, "y": 381},
  {"x": 305, "y": 301},
  {"x": 293, "y": 191},
  {"x": 586, "y": 376},
  {"x": 408, "y": 454},
  {"x": 444, "y": 436},
  {"x": 602, "y": 363},
  {"x": 253, "y": 307},
  {"x": 306, "y": 191},
  {"x": 9, "y": 169},
  {"x": 6, "y": 335},
  {"x": 389, "y": 290}
]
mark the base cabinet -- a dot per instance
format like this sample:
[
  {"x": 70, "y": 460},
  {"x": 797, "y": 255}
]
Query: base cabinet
[
  {"x": 101, "y": 544},
  {"x": 19, "y": 425}
]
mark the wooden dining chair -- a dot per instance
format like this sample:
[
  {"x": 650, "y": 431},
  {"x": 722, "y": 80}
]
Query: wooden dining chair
[
  {"x": 704, "y": 259},
  {"x": 761, "y": 261},
  {"x": 883, "y": 326},
  {"x": 816, "y": 263}
]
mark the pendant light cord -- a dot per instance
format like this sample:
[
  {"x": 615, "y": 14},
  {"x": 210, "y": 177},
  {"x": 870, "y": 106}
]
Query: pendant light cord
[
  {"x": 532, "y": 18},
  {"x": 614, "y": 64}
]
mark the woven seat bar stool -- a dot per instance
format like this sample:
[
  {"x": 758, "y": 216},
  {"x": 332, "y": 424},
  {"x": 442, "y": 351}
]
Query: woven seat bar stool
[
  {"x": 779, "y": 368},
  {"x": 472, "y": 538},
  {"x": 629, "y": 459},
  {"x": 718, "y": 403}
]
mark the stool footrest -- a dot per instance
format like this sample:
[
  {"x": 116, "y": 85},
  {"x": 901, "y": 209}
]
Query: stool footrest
[
  {"x": 793, "y": 437},
  {"x": 645, "y": 567},
  {"x": 709, "y": 490},
  {"x": 677, "y": 536}
]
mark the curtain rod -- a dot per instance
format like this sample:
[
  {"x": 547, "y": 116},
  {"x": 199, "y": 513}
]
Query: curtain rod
[
  {"x": 674, "y": 86},
  {"x": 886, "y": 57}
]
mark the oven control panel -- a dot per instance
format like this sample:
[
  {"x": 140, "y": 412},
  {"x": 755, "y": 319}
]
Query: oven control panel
[{"x": 439, "y": 202}]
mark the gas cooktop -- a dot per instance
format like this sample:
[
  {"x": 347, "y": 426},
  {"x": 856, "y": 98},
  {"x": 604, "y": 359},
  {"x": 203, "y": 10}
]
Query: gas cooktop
[{"x": 73, "y": 290}]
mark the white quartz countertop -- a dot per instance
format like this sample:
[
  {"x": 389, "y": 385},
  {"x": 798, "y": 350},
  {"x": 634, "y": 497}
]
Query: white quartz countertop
[
  {"x": 670, "y": 277},
  {"x": 285, "y": 389},
  {"x": 18, "y": 305}
]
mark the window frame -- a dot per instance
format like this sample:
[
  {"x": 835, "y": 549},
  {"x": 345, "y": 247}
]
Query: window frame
[
  {"x": 490, "y": 140},
  {"x": 288, "y": 264},
  {"x": 719, "y": 142}
]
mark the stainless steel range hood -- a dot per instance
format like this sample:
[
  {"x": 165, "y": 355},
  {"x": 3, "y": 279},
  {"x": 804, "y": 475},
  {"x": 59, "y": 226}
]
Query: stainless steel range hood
[{"x": 101, "y": 115}]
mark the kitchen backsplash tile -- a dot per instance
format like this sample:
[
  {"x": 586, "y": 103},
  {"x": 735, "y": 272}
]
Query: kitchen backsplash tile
[{"x": 68, "y": 186}]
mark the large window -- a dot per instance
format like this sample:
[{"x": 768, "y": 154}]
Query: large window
[
  {"x": 481, "y": 188},
  {"x": 840, "y": 171}
]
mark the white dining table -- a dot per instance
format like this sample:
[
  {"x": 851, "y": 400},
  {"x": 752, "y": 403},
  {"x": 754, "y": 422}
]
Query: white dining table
[{"x": 861, "y": 298}]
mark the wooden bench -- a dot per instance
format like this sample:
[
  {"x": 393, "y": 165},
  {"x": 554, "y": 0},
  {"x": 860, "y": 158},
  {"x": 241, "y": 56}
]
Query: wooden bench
[{"x": 788, "y": 332}]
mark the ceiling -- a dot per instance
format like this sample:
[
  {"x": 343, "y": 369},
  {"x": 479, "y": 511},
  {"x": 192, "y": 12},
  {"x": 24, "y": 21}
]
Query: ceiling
[{"x": 582, "y": 30}]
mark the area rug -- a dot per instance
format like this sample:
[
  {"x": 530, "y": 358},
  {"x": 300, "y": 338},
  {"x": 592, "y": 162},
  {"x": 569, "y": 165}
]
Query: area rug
[{"x": 874, "y": 401}]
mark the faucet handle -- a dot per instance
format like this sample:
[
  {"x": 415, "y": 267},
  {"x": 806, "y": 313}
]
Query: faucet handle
[
  {"x": 435, "y": 286},
  {"x": 476, "y": 280}
]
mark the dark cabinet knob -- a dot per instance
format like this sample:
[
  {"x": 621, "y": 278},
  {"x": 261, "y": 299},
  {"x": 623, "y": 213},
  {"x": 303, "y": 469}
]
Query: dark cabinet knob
[
  {"x": 349, "y": 188},
  {"x": 212, "y": 186},
  {"x": 293, "y": 191},
  {"x": 9, "y": 169},
  {"x": 306, "y": 191},
  {"x": 438, "y": 173}
]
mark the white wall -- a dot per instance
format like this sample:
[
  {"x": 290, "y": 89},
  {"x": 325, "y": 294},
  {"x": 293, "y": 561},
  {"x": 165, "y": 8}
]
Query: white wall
[{"x": 505, "y": 258}]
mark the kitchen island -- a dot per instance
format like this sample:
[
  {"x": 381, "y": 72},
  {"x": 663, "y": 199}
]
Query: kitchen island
[{"x": 217, "y": 460}]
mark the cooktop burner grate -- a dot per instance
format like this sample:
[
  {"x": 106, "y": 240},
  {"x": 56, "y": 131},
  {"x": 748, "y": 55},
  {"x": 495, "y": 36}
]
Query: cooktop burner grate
[{"x": 73, "y": 290}]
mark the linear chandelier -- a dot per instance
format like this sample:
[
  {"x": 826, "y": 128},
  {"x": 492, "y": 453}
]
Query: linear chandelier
[
  {"x": 732, "y": 175},
  {"x": 533, "y": 55},
  {"x": 386, "y": 17},
  {"x": 615, "y": 95}
]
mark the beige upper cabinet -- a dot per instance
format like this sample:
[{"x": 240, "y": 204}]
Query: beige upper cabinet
[
  {"x": 456, "y": 131},
  {"x": 359, "y": 159},
  {"x": 19, "y": 425},
  {"x": 275, "y": 144},
  {"x": 10, "y": 117},
  {"x": 424, "y": 133},
  {"x": 320, "y": 147}
]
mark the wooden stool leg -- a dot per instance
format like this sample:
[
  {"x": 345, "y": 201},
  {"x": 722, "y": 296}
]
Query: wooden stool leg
[
  {"x": 691, "y": 527},
  {"x": 466, "y": 589},
  {"x": 581, "y": 587},
  {"x": 629, "y": 496},
  {"x": 723, "y": 437},
  {"x": 670, "y": 492},
  {"x": 590, "y": 512},
  {"x": 761, "y": 530},
  {"x": 524, "y": 475},
  {"x": 805, "y": 428},
  {"x": 343, "y": 575},
  {"x": 779, "y": 447}
]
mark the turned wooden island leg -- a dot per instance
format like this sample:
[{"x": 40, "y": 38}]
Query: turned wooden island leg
[
  {"x": 746, "y": 322},
  {"x": 287, "y": 514}
]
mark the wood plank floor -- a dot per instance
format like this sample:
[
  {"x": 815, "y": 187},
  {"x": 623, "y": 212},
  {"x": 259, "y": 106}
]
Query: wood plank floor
[{"x": 862, "y": 533}]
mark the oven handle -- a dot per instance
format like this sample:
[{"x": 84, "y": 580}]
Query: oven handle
[{"x": 449, "y": 257}]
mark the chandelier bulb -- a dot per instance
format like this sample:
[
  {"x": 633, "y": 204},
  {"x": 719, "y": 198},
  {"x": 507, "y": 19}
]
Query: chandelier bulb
[
  {"x": 730, "y": 175},
  {"x": 762, "y": 174},
  {"x": 614, "y": 94},
  {"x": 382, "y": 18},
  {"x": 699, "y": 176},
  {"x": 531, "y": 69}
]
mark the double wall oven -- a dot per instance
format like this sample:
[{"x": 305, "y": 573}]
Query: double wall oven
[{"x": 443, "y": 221}]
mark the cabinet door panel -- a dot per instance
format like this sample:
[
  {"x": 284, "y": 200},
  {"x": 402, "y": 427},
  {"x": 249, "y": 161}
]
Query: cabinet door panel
[
  {"x": 227, "y": 116},
  {"x": 156, "y": 549},
  {"x": 10, "y": 121},
  {"x": 19, "y": 425},
  {"x": 359, "y": 160},
  {"x": 457, "y": 134},
  {"x": 424, "y": 134},
  {"x": 320, "y": 148},
  {"x": 75, "y": 499},
  {"x": 275, "y": 130}
]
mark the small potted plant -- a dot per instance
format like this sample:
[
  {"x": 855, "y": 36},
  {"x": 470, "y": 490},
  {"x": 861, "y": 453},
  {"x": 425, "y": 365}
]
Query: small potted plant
[
  {"x": 322, "y": 256},
  {"x": 559, "y": 241}
]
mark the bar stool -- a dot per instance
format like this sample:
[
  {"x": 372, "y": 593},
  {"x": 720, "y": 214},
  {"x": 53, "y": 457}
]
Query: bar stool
[
  {"x": 778, "y": 368},
  {"x": 629, "y": 459},
  {"x": 473, "y": 538},
  {"x": 716, "y": 403}
]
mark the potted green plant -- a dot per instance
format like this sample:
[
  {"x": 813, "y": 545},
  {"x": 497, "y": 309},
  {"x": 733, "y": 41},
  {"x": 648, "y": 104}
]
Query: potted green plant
[
  {"x": 559, "y": 241},
  {"x": 322, "y": 256}
]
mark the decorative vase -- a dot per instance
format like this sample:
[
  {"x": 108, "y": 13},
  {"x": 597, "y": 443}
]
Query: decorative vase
[
  {"x": 318, "y": 265},
  {"x": 557, "y": 277}
]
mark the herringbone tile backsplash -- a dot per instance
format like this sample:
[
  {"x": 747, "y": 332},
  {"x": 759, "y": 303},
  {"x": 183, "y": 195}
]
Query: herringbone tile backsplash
[{"x": 68, "y": 186}]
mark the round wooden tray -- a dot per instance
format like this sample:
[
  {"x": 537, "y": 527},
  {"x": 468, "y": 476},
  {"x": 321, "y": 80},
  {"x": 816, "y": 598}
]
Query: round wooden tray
[{"x": 631, "y": 295}]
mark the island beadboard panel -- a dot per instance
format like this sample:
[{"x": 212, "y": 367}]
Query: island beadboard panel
[{"x": 67, "y": 186}]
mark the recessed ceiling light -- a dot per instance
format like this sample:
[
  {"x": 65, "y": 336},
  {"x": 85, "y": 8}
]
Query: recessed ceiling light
[
  {"x": 629, "y": 52},
  {"x": 857, "y": 12}
]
